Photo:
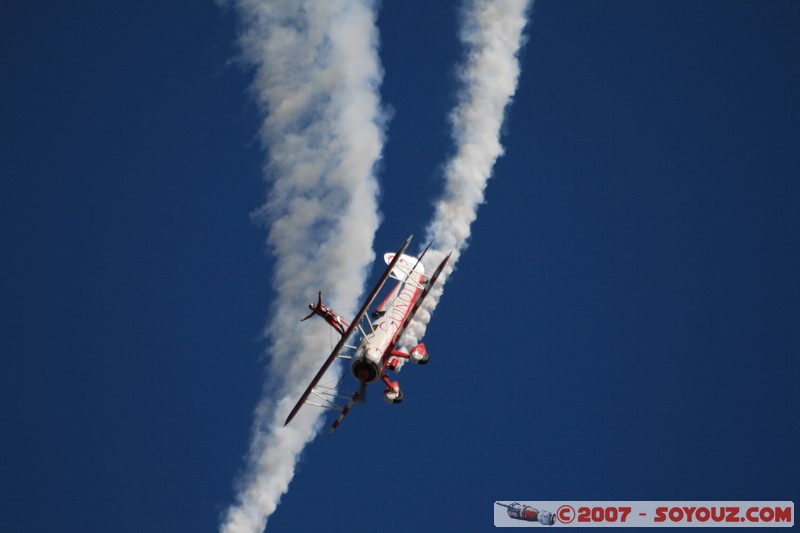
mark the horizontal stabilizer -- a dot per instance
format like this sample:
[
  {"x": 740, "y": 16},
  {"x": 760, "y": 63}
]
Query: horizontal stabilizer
[{"x": 408, "y": 269}]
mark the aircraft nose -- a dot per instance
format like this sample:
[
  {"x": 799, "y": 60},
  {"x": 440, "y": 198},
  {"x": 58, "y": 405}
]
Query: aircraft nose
[{"x": 365, "y": 371}]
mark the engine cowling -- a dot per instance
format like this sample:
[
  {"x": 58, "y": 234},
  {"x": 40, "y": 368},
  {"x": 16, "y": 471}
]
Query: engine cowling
[{"x": 419, "y": 354}]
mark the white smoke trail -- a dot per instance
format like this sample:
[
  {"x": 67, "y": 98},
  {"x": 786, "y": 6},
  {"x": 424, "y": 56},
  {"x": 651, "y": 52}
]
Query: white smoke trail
[
  {"x": 491, "y": 31},
  {"x": 317, "y": 76}
]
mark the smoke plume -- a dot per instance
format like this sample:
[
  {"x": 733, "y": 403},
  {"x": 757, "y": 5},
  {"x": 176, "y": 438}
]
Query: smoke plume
[
  {"x": 491, "y": 31},
  {"x": 317, "y": 76}
]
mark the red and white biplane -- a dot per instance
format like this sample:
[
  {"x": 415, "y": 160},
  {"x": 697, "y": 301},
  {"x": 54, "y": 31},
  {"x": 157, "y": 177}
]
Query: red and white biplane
[{"x": 373, "y": 348}]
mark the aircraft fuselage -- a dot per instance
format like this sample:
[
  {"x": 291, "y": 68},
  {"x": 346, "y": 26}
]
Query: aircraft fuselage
[{"x": 375, "y": 348}]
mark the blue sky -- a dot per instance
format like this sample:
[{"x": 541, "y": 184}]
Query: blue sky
[{"x": 623, "y": 325}]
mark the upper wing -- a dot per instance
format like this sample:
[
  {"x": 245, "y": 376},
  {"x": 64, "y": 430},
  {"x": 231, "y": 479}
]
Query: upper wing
[
  {"x": 348, "y": 332},
  {"x": 418, "y": 303}
]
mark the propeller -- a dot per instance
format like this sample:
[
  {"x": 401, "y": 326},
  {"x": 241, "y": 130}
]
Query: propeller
[{"x": 362, "y": 393}]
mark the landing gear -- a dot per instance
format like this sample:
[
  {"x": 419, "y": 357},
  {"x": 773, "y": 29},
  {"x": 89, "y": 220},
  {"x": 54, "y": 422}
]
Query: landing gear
[
  {"x": 392, "y": 392},
  {"x": 419, "y": 354}
]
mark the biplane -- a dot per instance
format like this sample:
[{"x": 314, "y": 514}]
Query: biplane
[{"x": 369, "y": 341}]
